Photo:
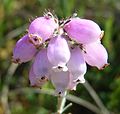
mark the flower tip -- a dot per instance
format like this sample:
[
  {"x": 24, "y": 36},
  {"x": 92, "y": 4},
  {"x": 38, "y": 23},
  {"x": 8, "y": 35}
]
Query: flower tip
[
  {"x": 35, "y": 86},
  {"x": 60, "y": 68},
  {"x": 65, "y": 69},
  {"x": 73, "y": 89},
  {"x": 16, "y": 61},
  {"x": 80, "y": 80},
  {"x": 59, "y": 93},
  {"x": 35, "y": 40},
  {"x": 104, "y": 66},
  {"x": 43, "y": 78}
]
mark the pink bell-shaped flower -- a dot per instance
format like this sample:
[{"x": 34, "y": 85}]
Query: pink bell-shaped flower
[
  {"x": 42, "y": 28},
  {"x": 41, "y": 65},
  {"x": 76, "y": 65},
  {"x": 58, "y": 53},
  {"x": 96, "y": 55},
  {"x": 82, "y": 30},
  {"x": 34, "y": 81},
  {"x": 24, "y": 51},
  {"x": 60, "y": 80}
]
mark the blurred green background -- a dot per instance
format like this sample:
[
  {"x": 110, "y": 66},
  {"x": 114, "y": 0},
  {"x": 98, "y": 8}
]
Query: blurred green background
[{"x": 14, "y": 20}]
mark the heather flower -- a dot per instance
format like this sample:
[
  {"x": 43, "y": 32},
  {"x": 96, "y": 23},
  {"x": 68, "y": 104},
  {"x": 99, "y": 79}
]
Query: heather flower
[
  {"x": 62, "y": 51},
  {"x": 42, "y": 28},
  {"x": 76, "y": 65},
  {"x": 24, "y": 51},
  {"x": 82, "y": 30},
  {"x": 58, "y": 52},
  {"x": 96, "y": 55},
  {"x": 34, "y": 80},
  {"x": 41, "y": 65},
  {"x": 60, "y": 81}
]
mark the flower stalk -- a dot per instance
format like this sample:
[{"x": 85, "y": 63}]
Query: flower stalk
[{"x": 61, "y": 103}]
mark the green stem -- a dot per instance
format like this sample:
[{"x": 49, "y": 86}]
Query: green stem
[{"x": 61, "y": 103}]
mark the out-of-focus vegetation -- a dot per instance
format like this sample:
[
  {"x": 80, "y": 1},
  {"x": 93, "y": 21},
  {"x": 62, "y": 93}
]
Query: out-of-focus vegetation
[{"x": 14, "y": 20}]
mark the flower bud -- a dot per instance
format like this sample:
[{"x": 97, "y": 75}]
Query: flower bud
[
  {"x": 82, "y": 30},
  {"x": 58, "y": 53},
  {"x": 96, "y": 55},
  {"x": 24, "y": 51}
]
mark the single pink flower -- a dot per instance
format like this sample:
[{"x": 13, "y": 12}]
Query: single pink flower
[
  {"x": 77, "y": 68},
  {"x": 24, "y": 51},
  {"x": 60, "y": 80},
  {"x": 42, "y": 28},
  {"x": 58, "y": 52},
  {"x": 41, "y": 65},
  {"x": 34, "y": 81},
  {"x": 76, "y": 65},
  {"x": 96, "y": 55},
  {"x": 83, "y": 31}
]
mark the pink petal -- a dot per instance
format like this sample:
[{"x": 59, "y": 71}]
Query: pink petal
[
  {"x": 82, "y": 30},
  {"x": 24, "y": 51},
  {"x": 96, "y": 55}
]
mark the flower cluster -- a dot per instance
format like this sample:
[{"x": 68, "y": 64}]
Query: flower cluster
[{"x": 60, "y": 50}]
